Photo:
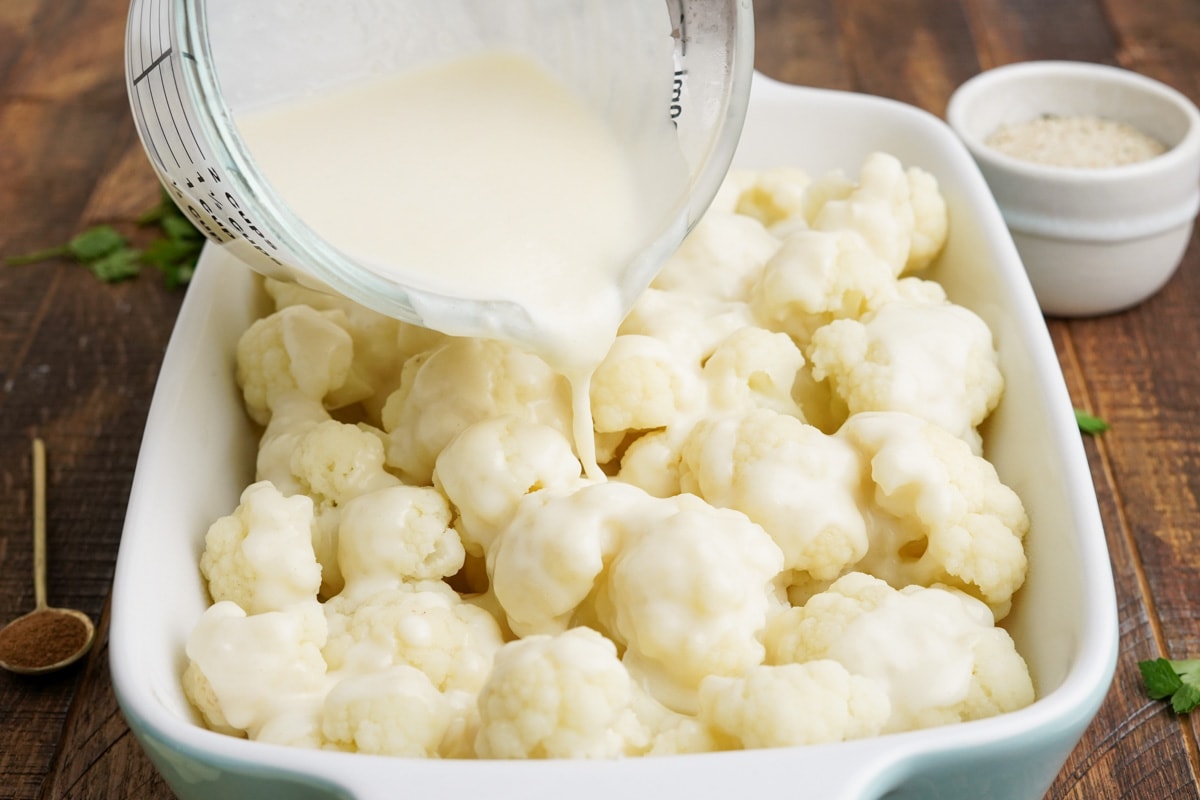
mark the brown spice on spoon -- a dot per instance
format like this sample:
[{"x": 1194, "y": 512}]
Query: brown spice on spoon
[{"x": 42, "y": 639}]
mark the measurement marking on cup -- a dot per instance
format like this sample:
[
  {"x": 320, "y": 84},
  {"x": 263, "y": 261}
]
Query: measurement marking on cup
[
  {"x": 175, "y": 107},
  {"x": 158, "y": 118},
  {"x": 156, "y": 22},
  {"x": 150, "y": 25},
  {"x": 132, "y": 51},
  {"x": 677, "y": 94},
  {"x": 187, "y": 119},
  {"x": 166, "y": 54}
]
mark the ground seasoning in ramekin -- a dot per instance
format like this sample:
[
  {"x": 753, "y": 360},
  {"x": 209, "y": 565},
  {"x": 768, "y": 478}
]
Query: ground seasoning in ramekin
[{"x": 1075, "y": 141}]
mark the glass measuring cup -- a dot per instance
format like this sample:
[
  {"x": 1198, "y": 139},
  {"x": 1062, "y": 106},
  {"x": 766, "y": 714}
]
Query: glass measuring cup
[{"x": 194, "y": 65}]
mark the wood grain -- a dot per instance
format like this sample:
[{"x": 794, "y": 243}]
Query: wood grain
[
  {"x": 1005, "y": 31},
  {"x": 801, "y": 43},
  {"x": 78, "y": 360}
]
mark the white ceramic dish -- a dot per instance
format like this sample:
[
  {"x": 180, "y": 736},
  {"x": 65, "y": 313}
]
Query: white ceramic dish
[
  {"x": 198, "y": 454},
  {"x": 1093, "y": 240}
]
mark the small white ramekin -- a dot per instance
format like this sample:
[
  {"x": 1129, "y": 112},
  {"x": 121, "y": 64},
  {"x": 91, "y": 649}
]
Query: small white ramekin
[{"x": 1093, "y": 240}]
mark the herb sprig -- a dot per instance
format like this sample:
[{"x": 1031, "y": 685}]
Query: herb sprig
[
  {"x": 111, "y": 257},
  {"x": 1177, "y": 680}
]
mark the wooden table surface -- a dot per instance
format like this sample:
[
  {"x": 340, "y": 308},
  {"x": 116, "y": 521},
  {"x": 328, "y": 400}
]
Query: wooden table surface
[{"x": 79, "y": 359}]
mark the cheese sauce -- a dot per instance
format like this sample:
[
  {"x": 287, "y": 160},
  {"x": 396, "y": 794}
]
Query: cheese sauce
[{"x": 480, "y": 179}]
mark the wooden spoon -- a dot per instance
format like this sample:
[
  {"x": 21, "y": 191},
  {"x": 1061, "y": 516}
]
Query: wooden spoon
[{"x": 46, "y": 638}]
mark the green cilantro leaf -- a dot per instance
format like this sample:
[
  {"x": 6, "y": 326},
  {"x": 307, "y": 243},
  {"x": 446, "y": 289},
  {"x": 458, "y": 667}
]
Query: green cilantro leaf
[
  {"x": 118, "y": 265},
  {"x": 1090, "y": 424},
  {"x": 1178, "y": 680},
  {"x": 175, "y": 257},
  {"x": 1187, "y": 698},
  {"x": 162, "y": 253},
  {"x": 1160, "y": 678},
  {"x": 97, "y": 242}
]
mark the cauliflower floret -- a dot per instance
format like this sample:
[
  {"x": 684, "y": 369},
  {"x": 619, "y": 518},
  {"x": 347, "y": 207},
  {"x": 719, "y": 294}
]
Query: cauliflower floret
[
  {"x": 459, "y": 739},
  {"x": 261, "y": 556},
  {"x": 398, "y": 533},
  {"x": 464, "y": 381},
  {"x": 934, "y": 361},
  {"x": 721, "y": 258},
  {"x": 828, "y": 186},
  {"x": 200, "y": 694},
  {"x": 729, "y": 194},
  {"x": 803, "y": 632},
  {"x": 942, "y": 515},
  {"x": 919, "y": 290},
  {"x": 754, "y": 368},
  {"x": 682, "y": 586},
  {"x": 930, "y": 219},
  {"x": 651, "y": 462},
  {"x": 563, "y": 696},
  {"x": 546, "y": 561},
  {"x": 376, "y": 363},
  {"x": 256, "y": 667},
  {"x": 425, "y": 626},
  {"x": 393, "y": 712},
  {"x": 803, "y": 487},
  {"x": 936, "y": 651},
  {"x": 290, "y": 422},
  {"x": 773, "y": 196},
  {"x": 670, "y": 732},
  {"x": 879, "y": 208},
  {"x": 491, "y": 465},
  {"x": 295, "y": 353},
  {"x": 381, "y": 344},
  {"x": 331, "y": 462},
  {"x": 819, "y": 276},
  {"x": 335, "y": 462},
  {"x": 793, "y": 704},
  {"x": 641, "y": 385},
  {"x": 297, "y": 726},
  {"x": 691, "y": 324},
  {"x": 687, "y": 595}
]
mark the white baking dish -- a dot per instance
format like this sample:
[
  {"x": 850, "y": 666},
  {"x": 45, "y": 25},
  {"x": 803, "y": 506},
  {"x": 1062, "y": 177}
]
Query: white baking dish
[{"x": 198, "y": 455}]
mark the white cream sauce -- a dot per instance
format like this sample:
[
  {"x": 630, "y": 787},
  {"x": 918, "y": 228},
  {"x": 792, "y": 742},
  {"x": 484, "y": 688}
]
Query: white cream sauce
[{"x": 481, "y": 179}]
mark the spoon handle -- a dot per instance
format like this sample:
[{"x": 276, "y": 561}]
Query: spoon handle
[{"x": 39, "y": 523}]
